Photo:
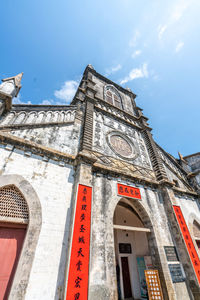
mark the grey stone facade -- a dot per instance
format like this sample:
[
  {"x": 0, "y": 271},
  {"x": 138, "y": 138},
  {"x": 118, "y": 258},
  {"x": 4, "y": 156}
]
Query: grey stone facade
[{"x": 102, "y": 138}]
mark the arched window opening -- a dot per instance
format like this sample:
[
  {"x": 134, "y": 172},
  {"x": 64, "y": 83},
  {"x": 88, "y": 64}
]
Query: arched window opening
[
  {"x": 196, "y": 230},
  {"x": 112, "y": 96},
  {"x": 14, "y": 217}
]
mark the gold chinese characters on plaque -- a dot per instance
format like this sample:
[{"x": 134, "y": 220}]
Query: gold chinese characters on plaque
[{"x": 153, "y": 285}]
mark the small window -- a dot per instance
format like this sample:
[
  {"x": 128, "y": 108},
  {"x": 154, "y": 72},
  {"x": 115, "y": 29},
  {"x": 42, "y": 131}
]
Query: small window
[
  {"x": 112, "y": 96},
  {"x": 198, "y": 244}
]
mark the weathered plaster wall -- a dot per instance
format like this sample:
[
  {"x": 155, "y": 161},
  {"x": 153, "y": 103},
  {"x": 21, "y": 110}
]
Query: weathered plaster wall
[
  {"x": 53, "y": 185},
  {"x": 189, "y": 206},
  {"x": 194, "y": 163},
  {"x": 61, "y": 138},
  {"x": 55, "y": 129},
  {"x": 172, "y": 176}
]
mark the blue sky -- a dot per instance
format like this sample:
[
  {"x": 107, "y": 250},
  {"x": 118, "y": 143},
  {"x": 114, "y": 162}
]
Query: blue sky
[{"x": 152, "y": 47}]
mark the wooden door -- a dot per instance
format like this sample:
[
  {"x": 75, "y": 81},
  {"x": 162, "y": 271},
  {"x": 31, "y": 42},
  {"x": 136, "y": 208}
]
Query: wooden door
[
  {"x": 11, "y": 242},
  {"x": 126, "y": 278}
]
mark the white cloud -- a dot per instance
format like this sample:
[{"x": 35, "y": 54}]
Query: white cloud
[
  {"x": 176, "y": 14},
  {"x": 134, "y": 39},
  {"x": 179, "y": 46},
  {"x": 17, "y": 100},
  {"x": 67, "y": 91},
  {"x": 161, "y": 30},
  {"x": 113, "y": 69},
  {"x": 136, "y": 73},
  {"x": 136, "y": 53},
  {"x": 180, "y": 8},
  {"x": 46, "y": 102}
]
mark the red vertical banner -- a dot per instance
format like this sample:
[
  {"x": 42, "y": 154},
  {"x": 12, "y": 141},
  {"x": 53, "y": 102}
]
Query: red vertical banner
[
  {"x": 77, "y": 286},
  {"x": 188, "y": 241}
]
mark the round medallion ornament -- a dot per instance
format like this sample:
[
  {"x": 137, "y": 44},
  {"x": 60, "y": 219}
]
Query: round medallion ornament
[{"x": 121, "y": 145}]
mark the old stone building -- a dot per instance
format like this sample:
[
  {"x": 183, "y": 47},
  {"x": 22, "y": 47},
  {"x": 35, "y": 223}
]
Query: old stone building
[{"x": 90, "y": 204}]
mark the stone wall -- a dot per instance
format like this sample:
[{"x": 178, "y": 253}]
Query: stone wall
[
  {"x": 194, "y": 163},
  {"x": 53, "y": 185}
]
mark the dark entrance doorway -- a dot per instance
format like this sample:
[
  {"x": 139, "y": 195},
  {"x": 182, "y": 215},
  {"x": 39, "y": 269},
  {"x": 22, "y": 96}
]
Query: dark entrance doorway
[
  {"x": 131, "y": 250},
  {"x": 11, "y": 242},
  {"x": 126, "y": 277}
]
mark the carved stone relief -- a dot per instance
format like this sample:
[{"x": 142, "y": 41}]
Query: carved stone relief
[
  {"x": 115, "y": 139},
  {"x": 121, "y": 145},
  {"x": 125, "y": 167}
]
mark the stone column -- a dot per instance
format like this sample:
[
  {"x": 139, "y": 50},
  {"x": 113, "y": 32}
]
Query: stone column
[{"x": 102, "y": 283}]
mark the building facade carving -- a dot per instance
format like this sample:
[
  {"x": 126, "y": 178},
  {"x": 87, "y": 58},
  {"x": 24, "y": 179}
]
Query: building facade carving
[{"x": 51, "y": 156}]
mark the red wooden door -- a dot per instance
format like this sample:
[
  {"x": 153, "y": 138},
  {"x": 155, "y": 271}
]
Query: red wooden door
[
  {"x": 11, "y": 241},
  {"x": 126, "y": 278}
]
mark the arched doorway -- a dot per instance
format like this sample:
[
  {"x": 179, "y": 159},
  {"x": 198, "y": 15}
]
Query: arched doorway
[
  {"x": 11, "y": 215},
  {"x": 14, "y": 218},
  {"x": 131, "y": 250}
]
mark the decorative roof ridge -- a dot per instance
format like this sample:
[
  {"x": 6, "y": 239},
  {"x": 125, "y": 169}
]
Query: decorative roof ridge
[
  {"x": 30, "y": 107},
  {"x": 194, "y": 154}
]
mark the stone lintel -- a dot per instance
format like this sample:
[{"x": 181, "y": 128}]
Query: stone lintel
[
  {"x": 33, "y": 125},
  {"x": 115, "y": 173}
]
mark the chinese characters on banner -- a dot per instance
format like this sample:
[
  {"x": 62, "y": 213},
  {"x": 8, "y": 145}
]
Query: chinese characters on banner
[
  {"x": 188, "y": 241},
  {"x": 153, "y": 284},
  {"x": 128, "y": 191},
  {"x": 77, "y": 288}
]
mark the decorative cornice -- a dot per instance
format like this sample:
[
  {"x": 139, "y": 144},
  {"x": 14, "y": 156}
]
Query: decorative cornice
[
  {"x": 185, "y": 192},
  {"x": 33, "y": 125},
  {"x": 191, "y": 155},
  {"x": 117, "y": 116},
  {"x": 30, "y": 107}
]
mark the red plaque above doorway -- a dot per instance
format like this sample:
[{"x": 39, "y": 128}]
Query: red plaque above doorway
[{"x": 128, "y": 191}]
